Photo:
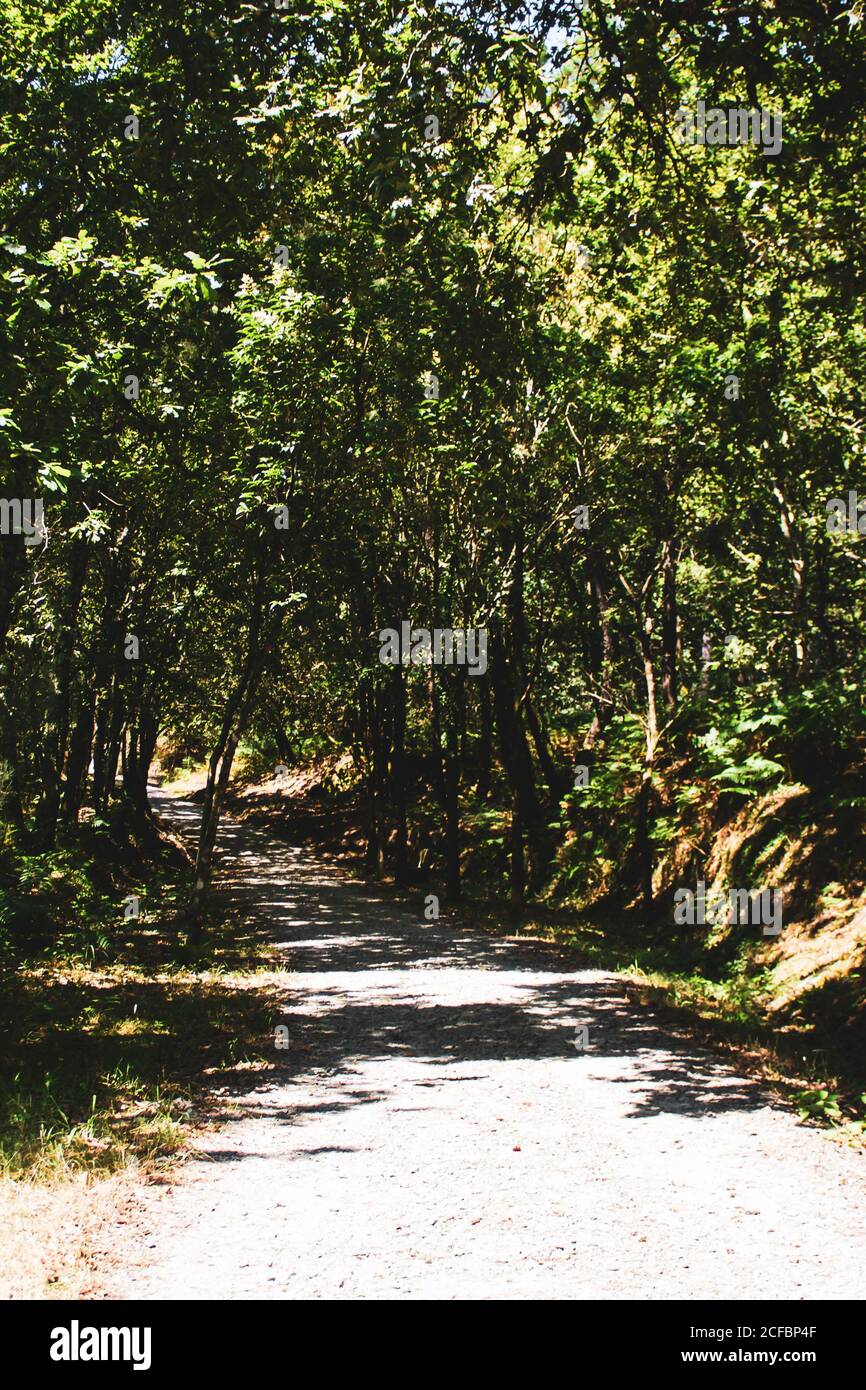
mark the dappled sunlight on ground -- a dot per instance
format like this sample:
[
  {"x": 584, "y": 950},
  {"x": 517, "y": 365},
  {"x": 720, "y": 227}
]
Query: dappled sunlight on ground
[{"x": 459, "y": 1115}]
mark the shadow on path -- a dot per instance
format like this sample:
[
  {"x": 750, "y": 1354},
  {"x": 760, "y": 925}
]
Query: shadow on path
[{"x": 364, "y": 973}]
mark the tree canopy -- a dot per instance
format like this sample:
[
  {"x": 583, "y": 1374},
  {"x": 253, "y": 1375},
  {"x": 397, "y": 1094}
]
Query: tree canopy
[{"x": 320, "y": 318}]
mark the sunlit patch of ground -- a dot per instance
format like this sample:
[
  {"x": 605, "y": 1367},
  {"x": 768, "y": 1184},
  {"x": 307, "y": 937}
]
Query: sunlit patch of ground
[{"x": 48, "y": 1230}]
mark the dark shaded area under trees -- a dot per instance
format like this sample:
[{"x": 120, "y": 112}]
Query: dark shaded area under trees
[{"x": 220, "y": 320}]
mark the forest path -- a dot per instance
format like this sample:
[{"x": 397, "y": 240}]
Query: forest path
[{"x": 440, "y": 1136}]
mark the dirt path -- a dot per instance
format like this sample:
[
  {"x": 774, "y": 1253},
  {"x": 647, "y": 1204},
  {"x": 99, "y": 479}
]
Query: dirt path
[{"x": 441, "y": 1136}]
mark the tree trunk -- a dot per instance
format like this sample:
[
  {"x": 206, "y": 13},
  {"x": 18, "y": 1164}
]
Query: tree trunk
[
  {"x": 643, "y": 841},
  {"x": 451, "y": 772},
  {"x": 139, "y": 754},
  {"x": 436, "y": 737},
  {"x": 237, "y": 713},
  {"x": 485, "y": 750},
  {"x": 797, "y": 565},
  {"x": 601, "y": 601},
  {"x": 80, "y": 745},
  {"x": 515, "y": 754},
  {"x": 706, "y": 662},
  {"x": 398, "y": 774},
  {"x": 669, "y": 626},
  {"x": 219, "y": 772},
  {"x": 516, "y": 864},
  {"x": 377, "y": 760},
  {"x": 557, "y": 782},
  {"x": 59, "y": 702}
]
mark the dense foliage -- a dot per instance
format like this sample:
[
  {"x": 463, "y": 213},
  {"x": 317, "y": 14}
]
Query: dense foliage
[{"x": 321, "y": 317}]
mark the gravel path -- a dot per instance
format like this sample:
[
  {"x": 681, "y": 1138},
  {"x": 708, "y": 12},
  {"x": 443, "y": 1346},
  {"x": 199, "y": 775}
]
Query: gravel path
[{"x": 441, "y": 1136}]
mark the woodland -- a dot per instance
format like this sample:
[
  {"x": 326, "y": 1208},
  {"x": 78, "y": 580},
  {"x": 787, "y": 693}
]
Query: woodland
[{"x": 325, "y": 317}]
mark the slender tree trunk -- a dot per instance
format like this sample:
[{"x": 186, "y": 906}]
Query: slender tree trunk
[
  {"x": 601, "y": 601},
  {"x": 451, "y": 771},
  {"x": 219, "y": 772},
  {"x": 603, "y": 650},
  {"x": 706, "y": 662},
  {"x": 485, "y": 751},
  {"x": 106, "y": 666},
  {"x": 398, "y": 774},
  {"x": 377, "y": 782},
  {"x": 436, "y": 737},
  {"x": 139, "y": 754},
  {"x": 115, "y": 737},
  {"x": 516, "y": 862},
  {"x": 11, "y": 801},
  {"x": 520, "y": 645},
  {"x": 669, "y": 626},
  {"x": 80, "y": 745},
  {"x": 13, "y": 571},
  {"x": 797, "y": 566},
  {"x": 235, "y": 718},
  {"x": 556, "y": 782},
  {"x": 59, "y": 703},
  {"x": 642, "y": 839},
  {"x": 516, "y": 757}
]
